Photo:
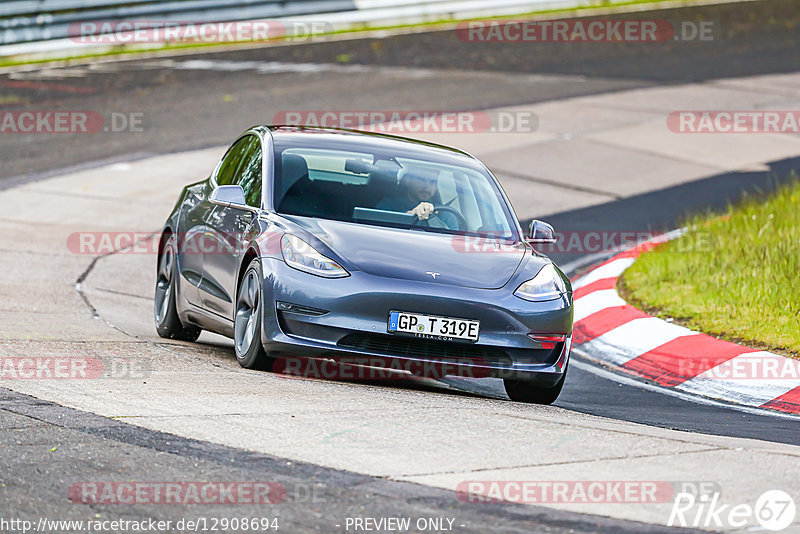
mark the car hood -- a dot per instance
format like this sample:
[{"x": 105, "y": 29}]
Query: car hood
[{"x": 418, "y": 255}]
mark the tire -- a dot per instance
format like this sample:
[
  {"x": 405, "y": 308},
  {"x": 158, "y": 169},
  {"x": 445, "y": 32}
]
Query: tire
[
  {"x": 247, "y": 344},
  {"x": 165, "y": 313},
  {"x": 526, "y": 391}
]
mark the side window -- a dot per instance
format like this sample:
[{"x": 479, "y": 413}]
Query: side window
[
  {"x": 249, "y": 173},
  {"x": 230, "y": 162}
]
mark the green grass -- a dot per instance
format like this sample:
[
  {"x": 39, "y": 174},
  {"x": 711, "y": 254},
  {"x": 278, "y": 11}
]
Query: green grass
[
  {"x": 736, "y": 276},
  {"x": 123, "y": 50}
]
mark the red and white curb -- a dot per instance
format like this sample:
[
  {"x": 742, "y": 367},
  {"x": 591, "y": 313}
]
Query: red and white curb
[{"x": 624, "y": 338}]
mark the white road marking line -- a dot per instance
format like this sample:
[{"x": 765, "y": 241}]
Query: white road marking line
[
  {"x": 755, "y": 378},
  {"x": 275, "y": 67},
  {"x": 596, "y": 301},
  {"x": 634, "y": 338},
  {"x": 621, "y": 379},
  {"x": 611, "y": 269}
]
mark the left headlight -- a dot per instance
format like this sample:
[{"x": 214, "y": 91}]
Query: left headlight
[
  {"x": 303, "y": 257},
  {"x": 546, "y": 285}
]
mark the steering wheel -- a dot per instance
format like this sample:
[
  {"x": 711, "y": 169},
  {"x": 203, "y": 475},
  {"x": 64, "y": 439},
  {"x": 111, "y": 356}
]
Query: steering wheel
[{"x": 462, "y": 222}]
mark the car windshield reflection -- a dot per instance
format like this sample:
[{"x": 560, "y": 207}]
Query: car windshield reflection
[{"x": 390, "y": 190}]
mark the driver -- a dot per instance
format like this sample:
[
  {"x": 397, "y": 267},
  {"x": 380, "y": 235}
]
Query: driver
[{"x": 417, "y": 192}]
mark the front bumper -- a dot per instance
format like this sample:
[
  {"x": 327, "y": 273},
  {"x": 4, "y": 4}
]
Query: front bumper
[{"x": 357, "y": 311}]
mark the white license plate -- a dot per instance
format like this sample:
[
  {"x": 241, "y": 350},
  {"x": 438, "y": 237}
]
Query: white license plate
[{"x": 433, "y": 327}]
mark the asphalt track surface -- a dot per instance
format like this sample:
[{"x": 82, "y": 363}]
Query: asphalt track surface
[
  {"x": 186, "y": 109},
  {"x": 194, "y": 108},
  {"x": 318, "y": 499}
]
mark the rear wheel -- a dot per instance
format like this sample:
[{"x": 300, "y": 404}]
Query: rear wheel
[
  {"x": 165, "y": 313},
  {"x": 247, "y": 323},
  {"x": 530, "y": 392}
]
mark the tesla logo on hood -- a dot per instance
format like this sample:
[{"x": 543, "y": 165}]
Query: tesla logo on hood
[{"x": 433, "y": 274}]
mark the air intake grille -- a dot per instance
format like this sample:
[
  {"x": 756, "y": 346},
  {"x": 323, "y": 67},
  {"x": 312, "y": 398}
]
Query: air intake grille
[{"x": 407, "y": 347}]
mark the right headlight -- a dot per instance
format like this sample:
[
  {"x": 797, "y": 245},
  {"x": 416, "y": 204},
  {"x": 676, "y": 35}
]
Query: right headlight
[
  {"x": 546, "y": 285},
  {"x": 303, "y": 257}
]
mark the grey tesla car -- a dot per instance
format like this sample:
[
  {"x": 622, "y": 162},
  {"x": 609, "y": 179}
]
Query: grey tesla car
[{"x": 325, "y": 244}]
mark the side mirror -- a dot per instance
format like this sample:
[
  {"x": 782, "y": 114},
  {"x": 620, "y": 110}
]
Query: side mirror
[
  {"x": 229, "y": 195},
  {"x": 541, "y": 232}
]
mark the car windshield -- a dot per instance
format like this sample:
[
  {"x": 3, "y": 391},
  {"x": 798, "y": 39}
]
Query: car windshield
[{"x": 443, "y": 194}]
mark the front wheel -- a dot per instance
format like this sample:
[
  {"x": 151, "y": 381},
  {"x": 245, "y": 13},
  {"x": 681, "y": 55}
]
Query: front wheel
[
  {"x": 530, "y": 392},
  {"x": 250, "y": 352},
  {"x": 165, "y": 312}
]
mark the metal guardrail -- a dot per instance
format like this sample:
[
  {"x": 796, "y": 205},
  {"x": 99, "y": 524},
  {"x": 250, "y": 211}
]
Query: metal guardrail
[{"x": 23, "y": 21}]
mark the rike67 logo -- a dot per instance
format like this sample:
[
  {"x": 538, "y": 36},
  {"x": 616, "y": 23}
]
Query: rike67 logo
[{"x": 774, "y": 510}]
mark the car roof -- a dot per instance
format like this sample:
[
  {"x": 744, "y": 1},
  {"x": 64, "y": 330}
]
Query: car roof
[{"x": 287, "y": 133}]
